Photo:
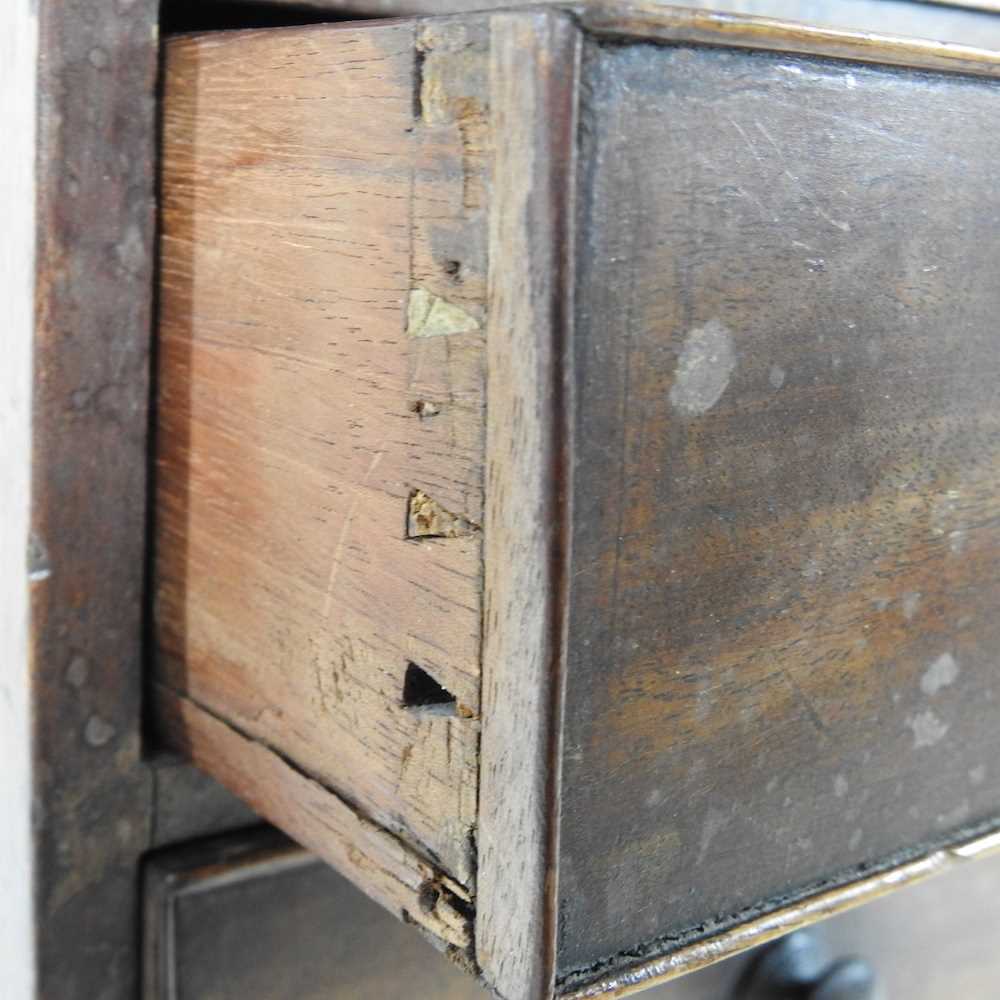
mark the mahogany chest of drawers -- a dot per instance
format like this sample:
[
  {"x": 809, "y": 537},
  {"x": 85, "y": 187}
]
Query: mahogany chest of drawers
[{"x": 571, "y": 437}]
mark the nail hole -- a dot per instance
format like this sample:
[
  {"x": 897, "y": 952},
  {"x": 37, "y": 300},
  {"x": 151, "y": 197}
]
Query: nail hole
[
  {"x": 428, "y": 897},
  {"x": 424, "y": 408},
  {"x": 453, "y": 268},
  {"x": 421, "y": 691}
]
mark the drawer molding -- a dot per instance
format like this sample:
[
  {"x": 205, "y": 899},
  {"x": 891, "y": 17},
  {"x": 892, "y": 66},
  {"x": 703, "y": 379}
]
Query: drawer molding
[{"x": 673, "y": 25}]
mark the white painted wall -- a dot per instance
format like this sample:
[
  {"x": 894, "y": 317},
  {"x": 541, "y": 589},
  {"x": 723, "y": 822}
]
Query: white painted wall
[{"x": 18, "y": 52}]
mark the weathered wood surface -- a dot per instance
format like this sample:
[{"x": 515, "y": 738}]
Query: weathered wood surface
[
  {"x": 786, "y": 531},
  {"x": 79, "y": 114},
  {"x": 533, "y": 99},
  {"x": 376, "y": 861},
  {"x": 92, "y": 798},
  {"x": 321, "y": 399},
  {"x": 83, "y": 229}
]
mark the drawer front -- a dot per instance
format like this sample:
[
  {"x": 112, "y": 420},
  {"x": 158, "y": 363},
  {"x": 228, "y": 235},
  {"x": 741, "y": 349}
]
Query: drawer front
[
  {"x": 254, "y": 917},
  {"x": 782, "y": 630},
  {"x": 577, "y": 470}
]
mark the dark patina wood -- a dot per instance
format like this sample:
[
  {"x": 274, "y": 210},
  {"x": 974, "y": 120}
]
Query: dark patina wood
[
  {"x": 97, "y": 801},
  {"x": 93, "y": 796},
  {"x": 783, "y": 605}
]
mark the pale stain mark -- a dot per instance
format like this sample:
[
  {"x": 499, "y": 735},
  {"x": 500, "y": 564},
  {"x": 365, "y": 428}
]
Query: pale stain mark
[
  {"x": 705, "y": 365},
  {"x": 98, "y": 732},
  {"x": 76, "y": 672},
  {"x": 955, "y": 816},
  {"x": 813, "y": 569},
  {"x": 942, "y": 672},
  {"x": 927, "y": 729},
  {"x": 715, "y": 821},
  {"x": 911, "y": 601}
]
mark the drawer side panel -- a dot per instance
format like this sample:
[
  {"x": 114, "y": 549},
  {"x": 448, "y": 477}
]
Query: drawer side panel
[{"x": 319, "y": 479}]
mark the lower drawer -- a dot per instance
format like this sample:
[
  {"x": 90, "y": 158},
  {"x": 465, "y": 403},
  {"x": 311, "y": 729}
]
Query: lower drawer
[{"x": 254, "y": 917}]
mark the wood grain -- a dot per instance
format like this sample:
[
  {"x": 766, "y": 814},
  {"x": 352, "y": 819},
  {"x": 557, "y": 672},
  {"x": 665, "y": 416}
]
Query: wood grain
[
  {"x": 377, "y": 862},
  {"x": 79, "y": 111},
  {"x": 533, "y": 90},
  {"x": 306, "y": 204},
  {"x": 785, "y": 521}
]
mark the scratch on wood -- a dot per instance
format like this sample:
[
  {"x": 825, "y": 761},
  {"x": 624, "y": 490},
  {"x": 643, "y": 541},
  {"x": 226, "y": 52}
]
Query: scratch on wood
[
  {"x": 345, "y": 530},
  {"x": 453, "y": 95}
]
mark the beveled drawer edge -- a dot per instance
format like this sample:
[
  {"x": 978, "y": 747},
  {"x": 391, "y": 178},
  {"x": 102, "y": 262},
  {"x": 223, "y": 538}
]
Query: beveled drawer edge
[
  {"x": 784, "y": 920},
  {"x": 979, "y": 847},
  {"x": 674, "y": 25}
]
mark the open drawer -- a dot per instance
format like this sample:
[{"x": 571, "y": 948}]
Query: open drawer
[{"x": 578, "y": 469}]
